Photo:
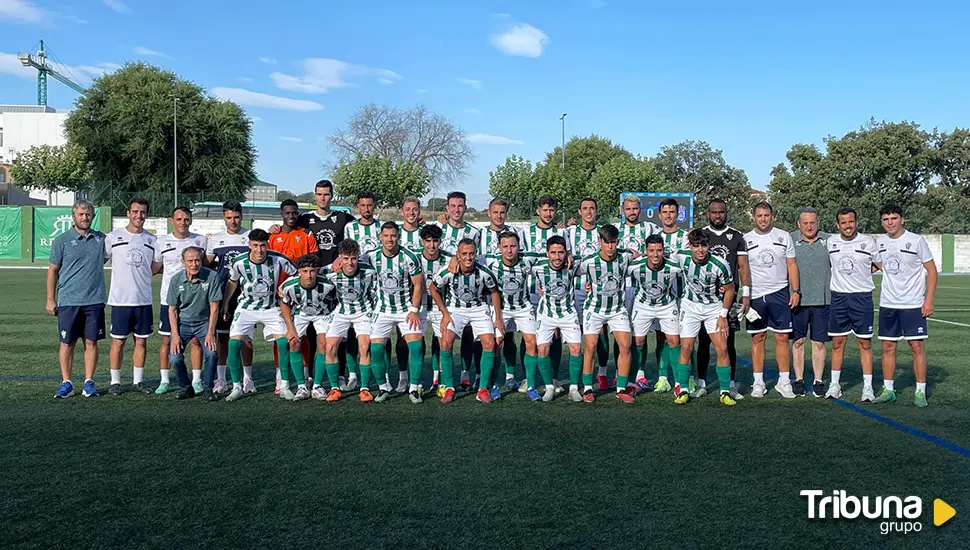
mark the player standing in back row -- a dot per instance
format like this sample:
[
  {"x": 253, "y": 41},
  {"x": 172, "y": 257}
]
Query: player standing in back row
[{"x": 906, "y": 300}]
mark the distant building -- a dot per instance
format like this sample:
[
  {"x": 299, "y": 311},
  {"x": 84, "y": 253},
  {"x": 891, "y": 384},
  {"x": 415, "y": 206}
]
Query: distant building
[
  {"x": 261, "y": 191},
  {"x": 23, "y": 127}
]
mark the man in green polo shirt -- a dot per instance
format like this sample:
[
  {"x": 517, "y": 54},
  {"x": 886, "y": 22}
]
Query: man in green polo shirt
[
  {"x": 76, "y": 295},
  {"x": 193, "y": 298},
  {"x": 811, "y": 318}
]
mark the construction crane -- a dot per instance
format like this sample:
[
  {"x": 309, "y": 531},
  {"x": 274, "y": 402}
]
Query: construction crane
[{"x": 45, "y": 67}]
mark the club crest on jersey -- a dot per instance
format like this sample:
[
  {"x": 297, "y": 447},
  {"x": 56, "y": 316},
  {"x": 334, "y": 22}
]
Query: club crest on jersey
[
  {"x": 766, "y": 258},
  {"x": 351, "y": 295},
  {"x": 908, "y": 245},
  {"x": 610, "y": 283},
  {"x": 513, "y": 283},
  {"x": 729, "y": 236},
  {"x": 892, "y": 265},
  {"x": 654, "y": 289},
  {"x": 391, "y": 282},
  {"x": 260, "y": 287},
  {"x": 696, "y": 286},
  {"x": 466, "y": 294},
  {"x": 846, "y": 266},
  {"x": 325, "y": 238},
  {"x": 557, "y": 288},
  {"x": 134, "y": 258}
]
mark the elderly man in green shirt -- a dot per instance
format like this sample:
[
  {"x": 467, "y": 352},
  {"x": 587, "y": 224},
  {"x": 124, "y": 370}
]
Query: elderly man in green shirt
[
  {"x": 810, "y": 319},
  {"x": 193, "y": 297}
]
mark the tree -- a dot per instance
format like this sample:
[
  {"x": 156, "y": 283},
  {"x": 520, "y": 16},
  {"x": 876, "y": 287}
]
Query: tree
[
  {"x": 124, "y": 124},
  {"x": 283, "y": 194},
  {"x": 390, "y": 181},
  {"x": 583, "y": 157},
  {"x": 512, "y": 181},
  {"x": 952, "y": 163},
  {"x": 623, "y": 174},
  {"x": 415, "y": 137},
  {"x": 308, "y": 197},
  {"x": 694, "y": 167},
  {"x": 52, "y": 168},
  {"x": 437, "y": 204}
]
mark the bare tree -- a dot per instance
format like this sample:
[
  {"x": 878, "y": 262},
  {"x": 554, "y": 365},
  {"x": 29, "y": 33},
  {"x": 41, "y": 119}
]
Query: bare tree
[{"x": 414, "y": 136}]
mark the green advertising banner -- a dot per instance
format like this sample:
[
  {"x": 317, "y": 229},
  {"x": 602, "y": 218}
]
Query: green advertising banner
[
  {"x": 11, "y": 242},
  {"x": 50, "y": 222}
]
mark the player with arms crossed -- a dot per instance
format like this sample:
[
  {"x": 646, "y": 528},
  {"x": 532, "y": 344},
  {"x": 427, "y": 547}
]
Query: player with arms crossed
[
  {"x": 464, "y": 305},
  {"x": 132, "y": 251},
  {"x": 705, "y": 276},
  {"x": 168, "y": 252},
  {"x": 400, "y": 284},
  {"x": 908, "y": 272},
  {"x": 355, "y": 285},
  {"x": 555, "y": 281},
  {"x": 511, "y": 269},
  {"x": 306, "y": 301},
  {"x": 654, "y": 279},
  {"x": 771, "y": 260},
  {"x": 259, "y": 274},
  {"x": 851, "y": 256},
  {"x": 604, "y": 274}
]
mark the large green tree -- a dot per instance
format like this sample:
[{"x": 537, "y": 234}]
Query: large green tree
[
  {"x": 390, "y": 181},
  {"x": 584, "y": 155},
  {"x": 52, "y": 168},
  {"x": 623, "y": 174},
  {"x": 696, "y": 167},
  {"x": 512, "y": 181},
  {"x": 125, "y": 125}
]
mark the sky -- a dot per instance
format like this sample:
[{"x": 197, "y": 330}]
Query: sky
[{"x": 750, "y": 78}]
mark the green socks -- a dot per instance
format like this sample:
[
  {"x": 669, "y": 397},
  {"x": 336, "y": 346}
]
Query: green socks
[
  {"x": 682, "y": 374},
  {"x": 235, "y": 361},
  {"x": 545, "y": 369},
  {"x": 415, "y": 361},
  {"x": 530, "y": 370},
  {"x": 296, "y": 366},
  {"x": 664, "y": 359},
  {"x": 488, "y": 364},
  {"x": 511, "y": 355},
  {"x": 333, "y": 375},
  {"x": 321, "y": 368},
  {"x": 365, "y": 377},
  {"x": 378, "y": 363},
  {"x": 588, "y": 380},
  {"x": 575, "y": 368},
  {"x": 283, "y": 359},
  {"x": 635, "y": 356},
  {"x": 621, "y": 382},
  {"x": 447, "y": 369},
  {"x": 724, "y": 377}
]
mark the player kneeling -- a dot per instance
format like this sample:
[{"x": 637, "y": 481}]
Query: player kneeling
[
  {"x": 654, "y": 280},
  {"x": 463, "y": 306},
  {"x": 705, "y": 275},
  {"x": 305, "y": 302}
]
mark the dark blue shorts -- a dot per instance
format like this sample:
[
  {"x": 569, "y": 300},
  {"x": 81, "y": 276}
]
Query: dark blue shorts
[
  {"x": 164, "y": 325},
  {"x": 774, "y": 311},
  {"x": 902, "y": 324},
  {"x": 128, "y": 320},
  {"x": 74, "y": 322},
  {"x": 851, "y": 313},
  {"x": 812, "y": 321}
]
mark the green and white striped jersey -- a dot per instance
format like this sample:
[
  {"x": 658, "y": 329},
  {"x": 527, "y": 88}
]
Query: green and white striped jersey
[
  {"x": 411, "y": 240},
  {"x": 583, "y": 243},
  {"x": 258, "y": 282},
  {"x": 355, "y": 293},
  {"x": 367, "y": 236},
  {"x": 654, "y": 288},
  {"x": 703, "y": 281},
  {"x": 556, "y": 297},
  {"x": 431, "y": 268},
  {"x": 308, "y": 302},
  {"x": 674, "y": 241},
  {"x": 513, "y": 281},
  {"x": 634, "y": 237},
  {"x": 488, "y": 245},
  {"x": 465, "y": 291},
  {"x": 395, "y": 290},
  {"x": 607, "y": 280},
  {"x": 536, "y": 237},
  {"x": 451, "y": 235}
]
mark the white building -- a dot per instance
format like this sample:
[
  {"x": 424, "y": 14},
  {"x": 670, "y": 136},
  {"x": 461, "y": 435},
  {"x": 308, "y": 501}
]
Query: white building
[{"x": 23, "y": 127}]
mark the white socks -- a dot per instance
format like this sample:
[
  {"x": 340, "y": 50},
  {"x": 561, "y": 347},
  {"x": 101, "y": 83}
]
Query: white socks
[
  {"x": 574, "y": 387},
  {"x": 921, "y": 386},
  {"x": 196, "y": 376},
  {"x": 221, "y": 372},
  {"x": 641, "y": 374},
  {"x": 412, "y": 387},
  {"x": 835, "y": 376},
  {"x": 759, "y": 378},
  {"x": 509, "y": 376},
  {"x": 434, "y": 379},
  {"x": 164, "y": 373},
  {"x": 115, "y": 376},
  {"x": 139, "y": 375},
  {"x": 867, "y": 380},
  {"x": 237, "y": 385},
  {"x": 783, "y": 378},
  {"x": 889, "y": 385},
  {"x": 248, "y": 372}
]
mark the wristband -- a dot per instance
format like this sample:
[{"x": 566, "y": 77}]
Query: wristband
[
  {"x": 412, "y": 309},
  {"x": 745, "y": 291},
  {"x": 724, "y": 312}
]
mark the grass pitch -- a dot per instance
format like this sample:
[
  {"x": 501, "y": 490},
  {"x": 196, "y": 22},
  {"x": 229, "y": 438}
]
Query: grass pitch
[{"x": 147, "y": 471}]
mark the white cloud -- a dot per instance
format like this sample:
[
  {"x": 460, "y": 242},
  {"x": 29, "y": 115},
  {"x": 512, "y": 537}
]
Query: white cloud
[
  {"x": 22, "y": 11},
  {"x": 422, "y": 90},
  {"x": 10, "y": 64},
  {"x": 267, "y": 60},
  {"x": 473, "y": 111},
  {"x": 488, "y": 139},
  {"x": 323, "y": 74},
  {"x": 244, "y": 79},
  {"x": 256, "y": 99},
  {"x": 293, "y": 139},
  {"x": 477, "y": 84},
  {"x": 141, "y": 50},
  {"x": 520, "y": 39},
  {"x": 255, "y": 118},
  {"x": 117, "y": 5}
]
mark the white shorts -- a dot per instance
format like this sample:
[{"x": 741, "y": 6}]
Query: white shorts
[
  {"x": 244, "y": 323},
  {"x": 340, "y": 324},
  {"x": 523, "y": 320},
  {"x": 665, "y": 319},
  {"x": 319, "y": 322},
  {"x": 480, "y": 319},
  {"x": 568, "y": 327},
  {"x": 593, "y": 322},
  {"x": 693, "y": 315},
  {"x": 434, "y": 319},
  {"x": 382, "y": 324}
]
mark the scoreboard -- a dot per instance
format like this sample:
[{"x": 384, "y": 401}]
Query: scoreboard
[{"x": 650, "y": 206}]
